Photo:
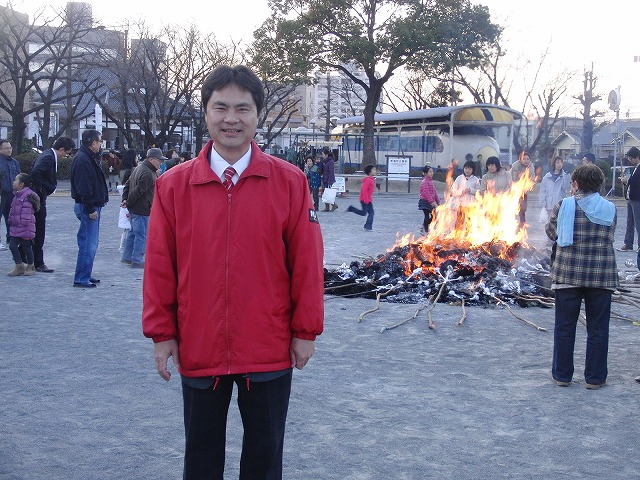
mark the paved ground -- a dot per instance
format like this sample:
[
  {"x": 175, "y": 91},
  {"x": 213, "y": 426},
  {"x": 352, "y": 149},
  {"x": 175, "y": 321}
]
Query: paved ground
[{"x": 80, "y": 399}]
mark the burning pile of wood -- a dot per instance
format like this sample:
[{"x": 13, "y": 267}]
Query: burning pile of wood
[{"x": 481, "y": 275}]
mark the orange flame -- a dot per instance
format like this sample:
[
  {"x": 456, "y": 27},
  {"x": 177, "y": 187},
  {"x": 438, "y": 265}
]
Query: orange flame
[{"x": 489, "y": 224}]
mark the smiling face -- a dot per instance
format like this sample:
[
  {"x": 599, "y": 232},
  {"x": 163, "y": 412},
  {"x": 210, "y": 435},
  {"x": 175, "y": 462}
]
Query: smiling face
[{"x": 232, "y": 119}]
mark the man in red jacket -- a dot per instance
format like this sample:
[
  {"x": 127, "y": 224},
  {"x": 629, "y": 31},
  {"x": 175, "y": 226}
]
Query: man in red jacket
[{"x": 233, "y": 282}]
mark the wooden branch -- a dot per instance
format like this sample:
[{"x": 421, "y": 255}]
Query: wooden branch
[
  {"x": 413, "y": 317},
  {"x": 528, "y": 322},
  {"x": 464, "y": 315}
]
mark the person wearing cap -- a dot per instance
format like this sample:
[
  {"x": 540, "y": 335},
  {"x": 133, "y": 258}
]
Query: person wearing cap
[{"x": 137, "y": 197}]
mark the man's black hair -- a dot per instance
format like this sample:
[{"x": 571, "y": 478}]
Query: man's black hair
[
  {"x": 240, "y": 76},
  {"x": 64, "y": 142},
  {"x": 90, "y": 136}
]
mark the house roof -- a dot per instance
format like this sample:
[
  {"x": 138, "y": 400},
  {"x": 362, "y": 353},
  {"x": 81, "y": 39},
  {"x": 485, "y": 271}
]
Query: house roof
[{"x": 574, "y": 134}]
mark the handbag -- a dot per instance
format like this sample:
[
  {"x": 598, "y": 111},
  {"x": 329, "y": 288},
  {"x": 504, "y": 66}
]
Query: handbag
[{"x": 329, "y": 195}]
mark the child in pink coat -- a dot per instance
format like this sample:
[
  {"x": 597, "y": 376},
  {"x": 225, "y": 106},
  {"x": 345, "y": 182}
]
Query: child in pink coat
[
  {"x": 429, "y": 198},
  {"x": 22, "y": 224}
]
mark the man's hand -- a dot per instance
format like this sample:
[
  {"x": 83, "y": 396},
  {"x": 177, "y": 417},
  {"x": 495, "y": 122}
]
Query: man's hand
[
  {"x": 301, "y": 351},
  {"x": 161, "y": 353},
  {"x": 93, "y": 216}
]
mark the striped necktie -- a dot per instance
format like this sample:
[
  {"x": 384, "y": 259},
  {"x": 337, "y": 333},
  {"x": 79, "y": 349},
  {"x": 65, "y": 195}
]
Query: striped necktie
[{"x": 229, "y": 172}]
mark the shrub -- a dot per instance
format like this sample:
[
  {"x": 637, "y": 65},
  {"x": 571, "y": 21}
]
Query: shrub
[{"x": 26, "y": 161}]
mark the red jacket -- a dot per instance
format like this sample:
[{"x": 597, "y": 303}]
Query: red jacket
[
  {"x": 368, "y": 186},
  {"x": 233, "y": 277}
]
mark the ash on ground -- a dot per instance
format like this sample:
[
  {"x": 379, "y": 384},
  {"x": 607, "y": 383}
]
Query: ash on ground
[{"x": 412, "y": 274}]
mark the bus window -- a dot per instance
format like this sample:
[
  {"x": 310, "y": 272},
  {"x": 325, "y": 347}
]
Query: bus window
[{"x": 433, "y": 144}]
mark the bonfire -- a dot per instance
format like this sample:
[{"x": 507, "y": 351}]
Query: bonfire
[{"x": 476, "y": 255}]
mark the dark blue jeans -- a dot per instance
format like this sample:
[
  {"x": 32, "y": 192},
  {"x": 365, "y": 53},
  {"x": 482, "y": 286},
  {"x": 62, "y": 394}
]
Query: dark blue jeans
[
  {"x": 597, "y": 303},
  {"x": 88, "y": 235},
  {"x": 15, "y": 244},
  {"x": 367, "y": 209},
  {"x": 633, "y": 222},
  {"x": 263, "y": 407}
]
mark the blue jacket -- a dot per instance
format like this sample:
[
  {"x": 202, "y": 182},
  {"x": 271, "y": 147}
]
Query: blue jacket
[
  {"x": 9, "y": 168},
  {"x": 88, "y": 185}
]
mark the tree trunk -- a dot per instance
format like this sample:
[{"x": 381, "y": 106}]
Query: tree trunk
[{"x": 368, "y": 146}]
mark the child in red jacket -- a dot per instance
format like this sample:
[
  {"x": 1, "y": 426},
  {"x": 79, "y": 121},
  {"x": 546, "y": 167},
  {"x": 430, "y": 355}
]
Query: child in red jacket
[{"x": 366, "y": 197}]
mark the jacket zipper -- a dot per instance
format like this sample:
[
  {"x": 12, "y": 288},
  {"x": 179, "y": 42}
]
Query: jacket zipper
[{"x": 226, "y": 275}]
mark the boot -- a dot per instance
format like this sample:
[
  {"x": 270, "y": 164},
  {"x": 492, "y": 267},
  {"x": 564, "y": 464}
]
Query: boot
[
  {"x": 326, "y": 207},
  {"x": 31, "y": 269},
  {"x": 18, "y": 270}
]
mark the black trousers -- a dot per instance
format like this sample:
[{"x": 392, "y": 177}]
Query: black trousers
[
  {"x": 38, "y": 241},
  {"x": 263, "y": 407},
  {"x": 5, "y": 208}
]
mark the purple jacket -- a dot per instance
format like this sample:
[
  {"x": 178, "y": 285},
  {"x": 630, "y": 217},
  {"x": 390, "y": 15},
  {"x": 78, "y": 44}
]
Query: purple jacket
[
  {"x": 328, "y": 172},
  {"x": 22, "y": 221}
]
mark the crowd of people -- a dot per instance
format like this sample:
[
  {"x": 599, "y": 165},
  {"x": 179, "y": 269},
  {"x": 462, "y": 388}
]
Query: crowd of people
[
  {"x": 195, "y": 230},
  {"x": 94, "y": 174}
]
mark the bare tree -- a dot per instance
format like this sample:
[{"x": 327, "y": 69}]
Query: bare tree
[
  {"x": 36, "y": 57},
  {"x": 154, "y": 87},
  {"x": 587, "y": 99},
  {"x": 281, "y": 75},
  {"x": 419, "y": 92},
  {"x": 492, "y": 83}
]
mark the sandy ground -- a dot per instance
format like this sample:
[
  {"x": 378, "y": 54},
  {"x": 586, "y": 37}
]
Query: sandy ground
[{"x": 80, "y": 398}]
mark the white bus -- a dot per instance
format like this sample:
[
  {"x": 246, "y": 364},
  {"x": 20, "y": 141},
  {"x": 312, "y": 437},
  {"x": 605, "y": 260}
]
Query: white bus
[{"x": 434, "y": 136}]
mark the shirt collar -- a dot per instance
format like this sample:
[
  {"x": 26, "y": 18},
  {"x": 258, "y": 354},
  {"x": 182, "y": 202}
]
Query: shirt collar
[{"x": 219, "y": 164}]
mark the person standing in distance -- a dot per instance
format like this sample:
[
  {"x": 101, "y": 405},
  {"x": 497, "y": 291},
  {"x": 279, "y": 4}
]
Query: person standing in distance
[
  {"x": 233, "y": 210},
  {"x": 137, "y": 197},
  {"x": 633, "y": 200},
  {"x": 89, "y": 190},
  {"x": 45, "y": 182},
  {"x": 9, "y": 169}
]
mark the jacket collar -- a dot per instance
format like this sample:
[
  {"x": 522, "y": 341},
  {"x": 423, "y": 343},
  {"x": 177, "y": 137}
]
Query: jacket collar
[
  {"x": 90, "y": 153},
  {"x": 259, "y": 165}
]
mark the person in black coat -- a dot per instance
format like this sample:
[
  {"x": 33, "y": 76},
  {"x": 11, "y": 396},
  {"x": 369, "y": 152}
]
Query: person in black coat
[
  {"x": 45, "y": 181},
  {"x": 633, "y": 200},
  {"x": 89, "y": 190}
]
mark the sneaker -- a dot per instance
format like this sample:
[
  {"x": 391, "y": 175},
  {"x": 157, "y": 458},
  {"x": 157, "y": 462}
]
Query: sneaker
[
  {"x": 126, "y": 262},
  {"x": 625, "y": 248},
  {"x": 594, "y": 386},
  {"x": 44, "y": 269},
  {"x": 638, "y": 379},
  {"x": 561, "y": 384},
  {"x": 84, "y": 285},
  {"x": 137, "y": 265},
  {"x": 2, "y": 247}
]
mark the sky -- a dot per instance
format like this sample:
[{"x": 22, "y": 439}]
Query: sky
[{"x": 575, "y": 35}]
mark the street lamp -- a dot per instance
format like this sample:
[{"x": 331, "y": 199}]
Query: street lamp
[{"x": 313, "y": 127}]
